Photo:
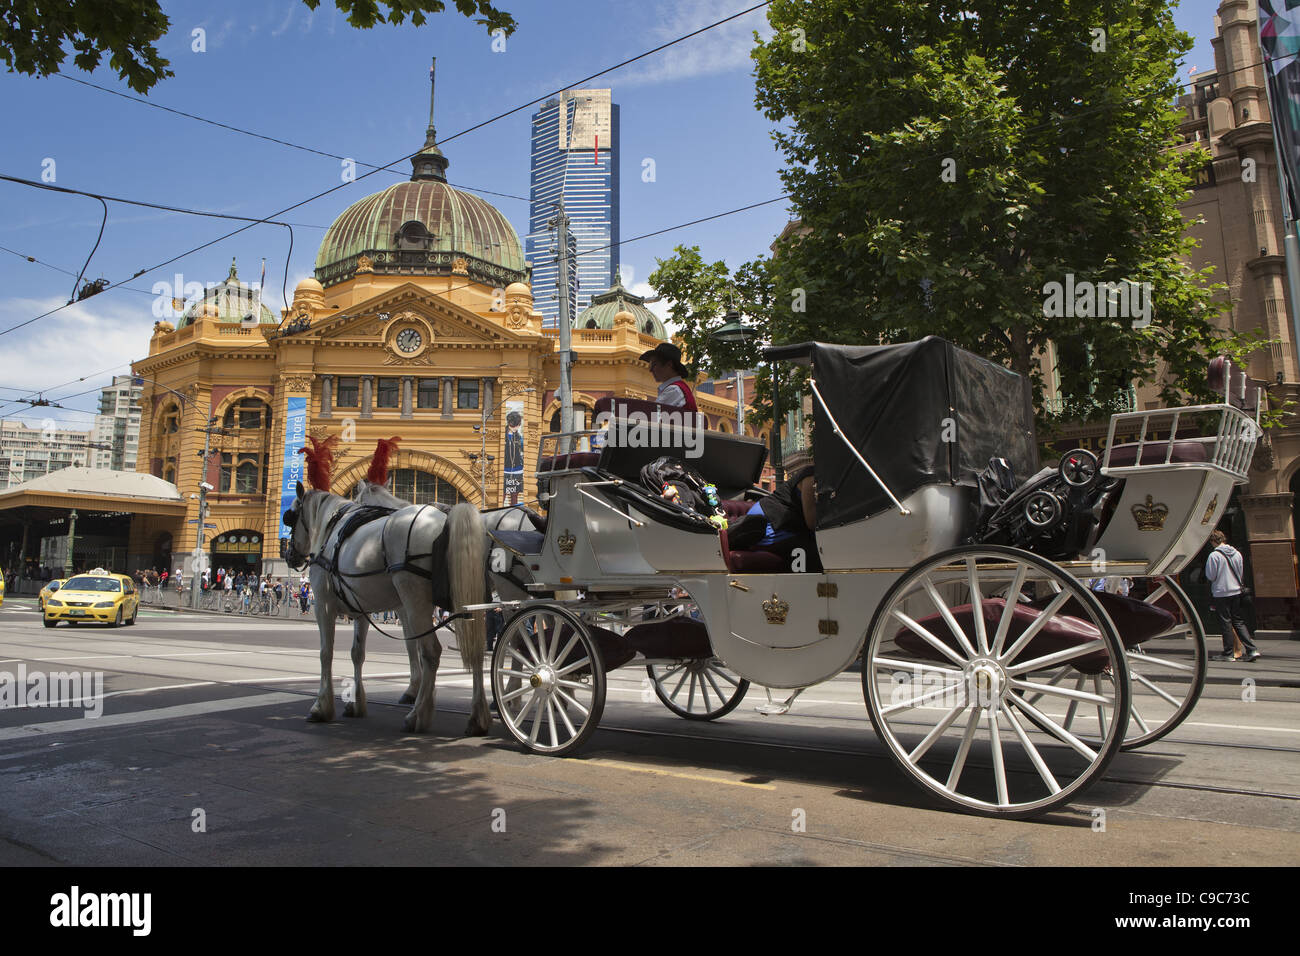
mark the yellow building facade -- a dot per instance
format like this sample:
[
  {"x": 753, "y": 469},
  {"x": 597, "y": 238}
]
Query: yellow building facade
[{"x": 419, "y": 324}]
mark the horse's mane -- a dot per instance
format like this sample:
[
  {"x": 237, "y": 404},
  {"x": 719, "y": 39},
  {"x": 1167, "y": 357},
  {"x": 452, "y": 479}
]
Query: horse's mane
[
  {"x": 320, "y": 460},
  {"x": 378, "y": 472}
]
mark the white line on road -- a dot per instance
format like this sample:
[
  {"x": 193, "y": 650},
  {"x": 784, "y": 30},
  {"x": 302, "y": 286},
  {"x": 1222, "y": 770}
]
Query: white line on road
[{"x": 145, "y": 716}]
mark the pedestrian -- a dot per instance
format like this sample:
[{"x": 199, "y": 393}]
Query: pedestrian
[
  {"x": 302, "y": 598},
  {"x": 230, "y": 583},
  {"x": 1225, "y": 568}
]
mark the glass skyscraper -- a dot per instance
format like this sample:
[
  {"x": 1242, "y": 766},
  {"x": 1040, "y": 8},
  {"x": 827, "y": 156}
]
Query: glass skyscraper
[{"x": 575, "y": 154}]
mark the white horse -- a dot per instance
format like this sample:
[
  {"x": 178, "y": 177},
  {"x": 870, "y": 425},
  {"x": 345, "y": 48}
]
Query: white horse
[{"x": 410, "y": 559}]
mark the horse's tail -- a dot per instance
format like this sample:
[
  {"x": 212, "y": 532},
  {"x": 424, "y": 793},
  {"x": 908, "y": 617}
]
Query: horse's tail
[{"x": 466, "y": 557}]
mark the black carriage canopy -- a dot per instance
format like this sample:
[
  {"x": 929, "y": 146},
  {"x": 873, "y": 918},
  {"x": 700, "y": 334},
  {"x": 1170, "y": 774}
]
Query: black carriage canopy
[{"x": 920, "y": 413}]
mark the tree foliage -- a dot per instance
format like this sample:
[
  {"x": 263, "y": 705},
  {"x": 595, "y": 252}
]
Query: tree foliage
[
  {"x": 951, "y": 158},
  {"x": 33, "y": 36}
]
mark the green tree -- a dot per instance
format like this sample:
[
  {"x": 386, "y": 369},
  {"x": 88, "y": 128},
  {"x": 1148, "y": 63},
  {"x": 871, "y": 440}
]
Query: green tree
[
  {"x": 951, "y": 158},
  {"x": 32, "y": 36},
  {"x": 702, "y": 294}
]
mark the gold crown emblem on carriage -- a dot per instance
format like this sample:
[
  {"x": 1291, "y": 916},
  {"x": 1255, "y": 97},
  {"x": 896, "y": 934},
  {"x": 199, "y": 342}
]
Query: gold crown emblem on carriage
[
  {"x": 775, "y": 609},
  {"x": 1209, "y": 510},
  {"x": 566, "y": 542},
  {"x": 1151, "y": 516}
]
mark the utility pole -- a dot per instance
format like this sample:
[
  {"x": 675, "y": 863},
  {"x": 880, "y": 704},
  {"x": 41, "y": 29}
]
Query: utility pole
[
  {"x": 197, "y": 574},
  {"x": 565, "y": 263}
]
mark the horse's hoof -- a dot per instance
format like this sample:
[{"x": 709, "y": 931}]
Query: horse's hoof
[
  {"x": 350, "y": 709},
  {"x": 474, "y": 730},
  {"x": 316, "y": 717},
  {"x": 406, "y": 699}
]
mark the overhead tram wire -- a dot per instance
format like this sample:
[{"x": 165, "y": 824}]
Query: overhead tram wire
[
  {"x": 408, "y": 156},
  {"x": 67, "y": 272},
  {"x": 271, "y": 139}
]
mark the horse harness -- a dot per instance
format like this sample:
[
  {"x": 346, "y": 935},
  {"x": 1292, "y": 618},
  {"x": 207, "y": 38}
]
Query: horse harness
[{"x": 357, "y": 516}]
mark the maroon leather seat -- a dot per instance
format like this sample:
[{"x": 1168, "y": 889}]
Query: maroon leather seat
[
  {"x": 1136, "y": 621},
  {"x": 750, "y": 562},
  {"x": 1185, "y": 452},
  {"x": 734, "y": 508},
  {"x": 680, "y": 637},
  {"x": 1061, "y": 633}
]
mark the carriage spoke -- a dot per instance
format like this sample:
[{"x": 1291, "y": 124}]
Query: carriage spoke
[
  {"x": 917, "y": 665},
  {"x": 1051, "y": 683},
  {"x": 1157, "y": 594},
  {"x": 537, "y": 725},
  {"x": 1137, "y": 718},
  {"x": 1074, "y": 704},
  {"x": 1060, "y": 657},
  {"x": 708, "y": 675},
  {"x": 568, "y": 724},
  {"x": 704, "y": 694},
  {"x": 917, "y": 701},
  {"x": 1035, "y": 757},
  {"x": 678, "y": 689},
  {"x": 1008, "y": 611},
  {"x": 959, "y": 761},
  {"x": 567, "y": 648},
  {"x": 572, "y": 684},
  {"x": 550, "y": 722},
  {"x": 1035, "y": 626},
  {"x": 523, "y": 712},
  {"x": 1145, "y": 658},
  {"x": 929, "y": 638},
  {"x": 690, "y": 696},
  {"x": 1154, "y": 689},
  {"x": 948, "y": 720},
  {"x": 977, "y": 607},
  {"x": 1101, "y": 711},
  {"x": 513, "y": 673},
  {"x": 519, "y": 692},
  {"x": 946, "y": 613},
  {"x": 1076, "y": 694},
  {"x": 662, "y": 678},
  {"x": 995, "y": 746},
  {"x": 1054, "y": 728},
  {"x": 719, "y": 672},
  {"x": 573, "y": 702},
  {"x": 573, "y": 667},
  {"x": 528, "y": 646}
]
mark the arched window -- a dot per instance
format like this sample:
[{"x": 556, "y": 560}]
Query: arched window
[
  {"x": 250, "y": 413},
  {"x": 171, "y": 421},
  {"x": 422, "y": 488}
]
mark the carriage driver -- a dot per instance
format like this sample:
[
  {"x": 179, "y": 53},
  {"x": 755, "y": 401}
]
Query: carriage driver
[
  {"x": 785, "y": 519},
  {"x": 666, "y": 366}
]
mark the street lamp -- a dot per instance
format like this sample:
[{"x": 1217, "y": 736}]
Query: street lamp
[{"x": 733, "y": 331}]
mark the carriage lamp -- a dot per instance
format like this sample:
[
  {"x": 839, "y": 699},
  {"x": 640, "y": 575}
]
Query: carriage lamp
[{"x": 733, "y": 331}]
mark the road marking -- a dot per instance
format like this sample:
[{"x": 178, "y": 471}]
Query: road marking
[
  {"x": 616, "y": 765},
  {"x": 1275, "y": 730},
  {"x": 146, "y": 716}
]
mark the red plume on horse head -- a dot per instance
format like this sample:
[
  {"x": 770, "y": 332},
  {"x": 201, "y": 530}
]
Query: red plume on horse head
[
  {"x": 320, "y": 460},
  {"x": 378, "y": 472}
]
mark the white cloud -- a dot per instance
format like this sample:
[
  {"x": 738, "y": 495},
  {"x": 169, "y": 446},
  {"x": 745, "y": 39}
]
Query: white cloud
[
  {"x": 288, "y": 20},
  {"x": 84, "y": 339},
  {"x": 723, "y": 49}
]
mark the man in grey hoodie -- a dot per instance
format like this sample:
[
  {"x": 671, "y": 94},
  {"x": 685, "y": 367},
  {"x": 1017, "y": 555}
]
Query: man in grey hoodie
[{"x": 1224, "y": 569}]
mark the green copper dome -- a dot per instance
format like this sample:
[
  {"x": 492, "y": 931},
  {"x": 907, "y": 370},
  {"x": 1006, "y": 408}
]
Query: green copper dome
[
  {"x": 600, "y": 314},
  {"x": 233, "y": 300}
]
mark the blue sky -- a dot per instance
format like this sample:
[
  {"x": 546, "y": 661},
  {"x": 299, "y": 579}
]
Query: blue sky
[{"x": 278, "y": 69}]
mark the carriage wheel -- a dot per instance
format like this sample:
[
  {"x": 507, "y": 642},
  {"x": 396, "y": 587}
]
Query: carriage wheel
[
  {"x": 548, "y": 680},
  {"x": 701, "y": 689},
  {"x": 1166, "y": 672},
  {"x": 949, "y": 691}
]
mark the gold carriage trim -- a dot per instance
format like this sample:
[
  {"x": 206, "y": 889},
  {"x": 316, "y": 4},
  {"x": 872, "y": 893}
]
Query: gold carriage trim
[
  {"x": 1151, "y": 516},
  {"x": 566, "y": 542},
  {"x": 1209, "y": 510},
  {"x": 775, "y": 609}
]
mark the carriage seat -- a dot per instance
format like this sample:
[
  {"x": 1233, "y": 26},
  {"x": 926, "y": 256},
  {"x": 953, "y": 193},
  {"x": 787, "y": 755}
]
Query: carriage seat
[{"x": 1153, "y": 453}]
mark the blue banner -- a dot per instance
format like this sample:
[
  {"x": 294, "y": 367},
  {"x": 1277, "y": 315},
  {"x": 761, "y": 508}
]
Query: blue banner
[{"x": 295, "y": 436}]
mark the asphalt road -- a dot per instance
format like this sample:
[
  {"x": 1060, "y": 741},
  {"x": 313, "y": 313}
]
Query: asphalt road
[{"x": 202, "y": 756}]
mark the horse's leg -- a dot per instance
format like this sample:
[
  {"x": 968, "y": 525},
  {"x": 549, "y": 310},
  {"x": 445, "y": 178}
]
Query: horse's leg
[
  {"x": 412, "y": 656},
  {"x": 356, "y": 707},
  {"x": 323, "y": 709},
  {"x": 417, "y": 618},
  {"x": 480, "y": 717}
]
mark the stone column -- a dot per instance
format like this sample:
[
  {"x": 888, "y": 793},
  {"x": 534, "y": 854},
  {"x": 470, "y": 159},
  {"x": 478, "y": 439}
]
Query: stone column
[
  {"x": 406, "y": 395},
  {"x": 326, "y": 396},
  {"x": 447, "y": 407},
  {"x": 366, "y": 408}
]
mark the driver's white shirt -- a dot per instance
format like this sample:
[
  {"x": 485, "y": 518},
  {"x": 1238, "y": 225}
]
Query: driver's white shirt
[{"x": 670, "y": 392}]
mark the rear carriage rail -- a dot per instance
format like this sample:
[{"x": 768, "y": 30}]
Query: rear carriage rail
[{"x": 1229, "y": 448}]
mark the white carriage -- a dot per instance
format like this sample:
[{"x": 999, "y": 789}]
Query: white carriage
[{"x": 1011, "y": 710}]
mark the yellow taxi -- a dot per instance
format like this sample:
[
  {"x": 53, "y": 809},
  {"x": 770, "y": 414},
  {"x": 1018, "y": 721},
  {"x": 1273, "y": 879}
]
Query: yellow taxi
[
  {"x": 49, "y": 589},
  {"x": 98, "y": 595}
]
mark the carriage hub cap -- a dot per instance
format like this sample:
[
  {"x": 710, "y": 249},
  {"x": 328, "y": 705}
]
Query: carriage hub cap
[
  {"x": 542, "y": 677},
  {"x": 986, "y": 683}
]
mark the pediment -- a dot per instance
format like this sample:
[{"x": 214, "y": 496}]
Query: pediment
[{"x": 409, "y": 304}]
